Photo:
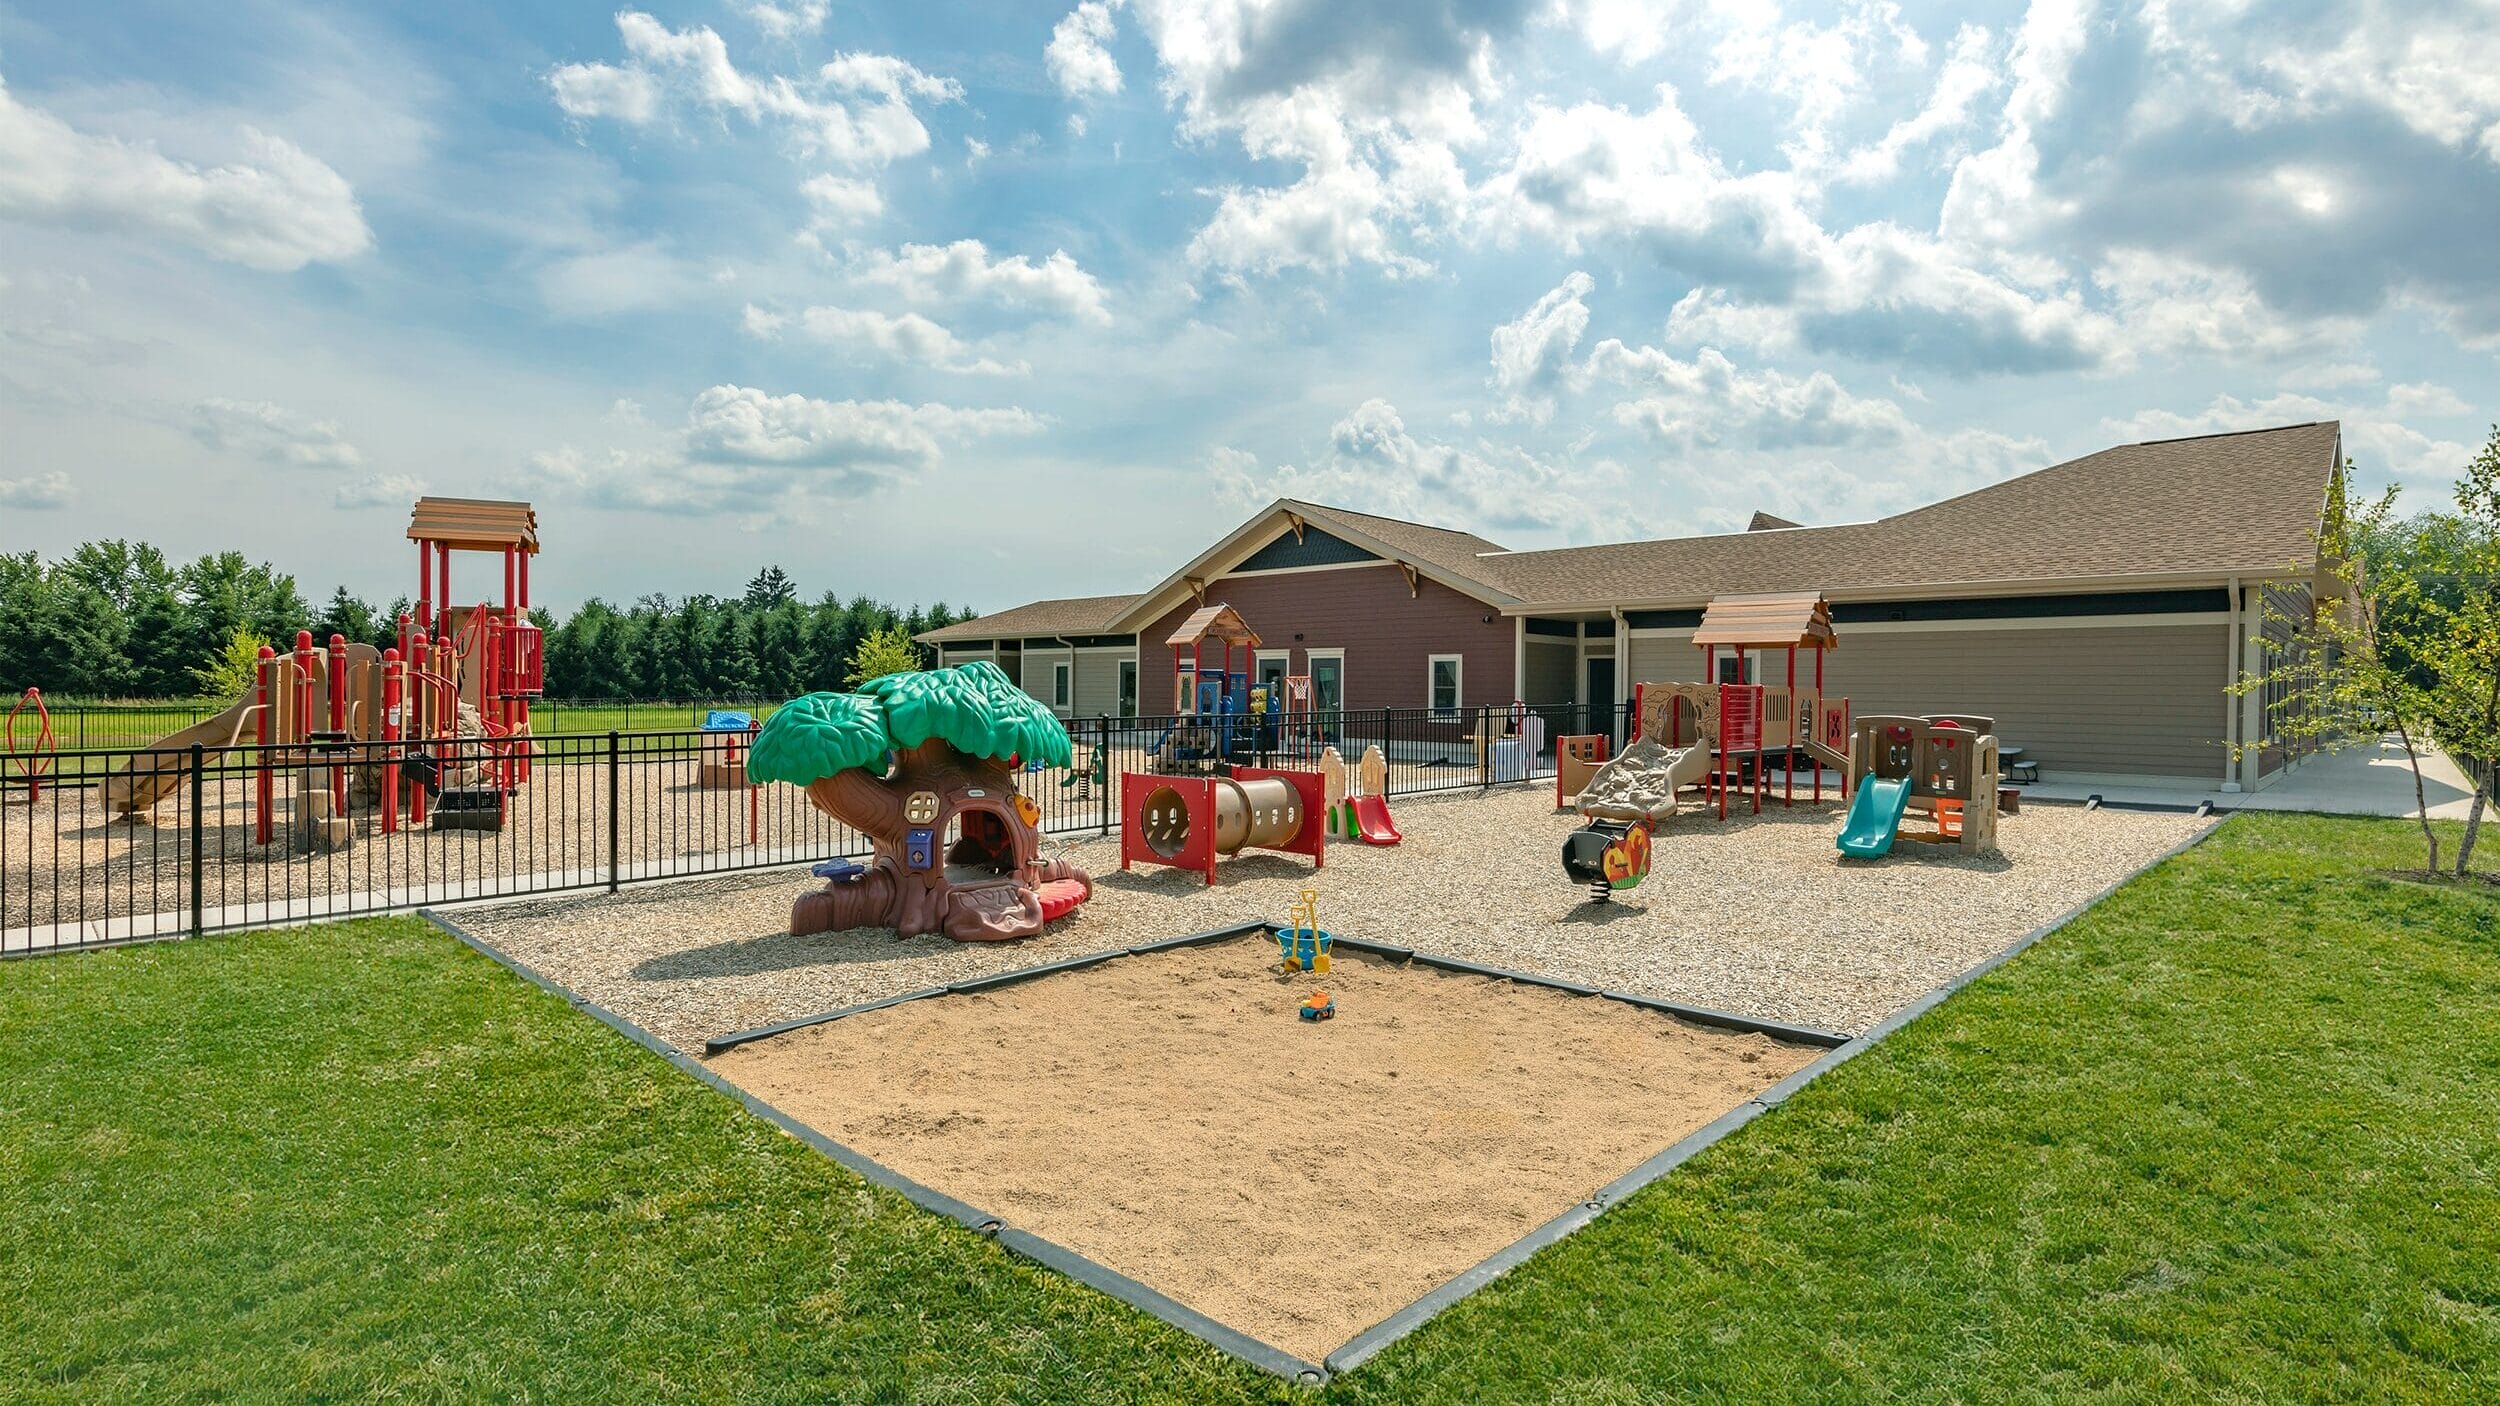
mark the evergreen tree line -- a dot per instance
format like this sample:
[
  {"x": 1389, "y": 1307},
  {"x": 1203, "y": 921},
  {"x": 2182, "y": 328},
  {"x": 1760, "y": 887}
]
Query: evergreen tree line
[{"x": 119, "y": 620}]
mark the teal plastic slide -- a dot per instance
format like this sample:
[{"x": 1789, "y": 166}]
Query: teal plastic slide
[{"x": 1874, "y": 817}]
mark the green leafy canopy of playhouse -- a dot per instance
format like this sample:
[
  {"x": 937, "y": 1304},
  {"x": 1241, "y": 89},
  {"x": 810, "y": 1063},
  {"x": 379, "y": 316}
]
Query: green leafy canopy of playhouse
[{"x": 972, "y": 708}]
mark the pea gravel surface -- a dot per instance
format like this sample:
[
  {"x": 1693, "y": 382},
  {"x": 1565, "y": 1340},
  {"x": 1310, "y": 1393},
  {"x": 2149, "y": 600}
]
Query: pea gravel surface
[{"x": 1757, "y": 915}]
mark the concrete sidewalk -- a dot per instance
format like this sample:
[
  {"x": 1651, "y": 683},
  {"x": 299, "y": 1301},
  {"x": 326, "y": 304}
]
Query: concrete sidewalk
[{"x": 2368, "y": 778}]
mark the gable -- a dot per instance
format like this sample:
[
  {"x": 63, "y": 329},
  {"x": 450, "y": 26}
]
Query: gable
[{"x": 1315, "y": 548}]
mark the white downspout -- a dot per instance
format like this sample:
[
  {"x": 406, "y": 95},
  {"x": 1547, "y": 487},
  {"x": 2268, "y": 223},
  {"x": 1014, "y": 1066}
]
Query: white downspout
[
  {"x": 1623, "y": 661},
  {"x": 1519, "y": 657}
]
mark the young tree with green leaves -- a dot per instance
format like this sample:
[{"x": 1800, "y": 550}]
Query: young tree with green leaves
[
  {"x": 2458, "y": 644},
  {"x": 889, "y": 650},
  {"x": 2343, "y": 672},
  {"x": 233, "y": 669}
]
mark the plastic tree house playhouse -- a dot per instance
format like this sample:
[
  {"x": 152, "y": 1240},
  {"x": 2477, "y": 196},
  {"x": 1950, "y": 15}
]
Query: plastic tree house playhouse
[{"x": 925, "y": 764}]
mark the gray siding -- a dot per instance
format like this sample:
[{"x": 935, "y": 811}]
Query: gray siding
[
  {"x": 2136, "y": 700},
  {"x": 1553, "y": 674},
  {"x": 1098, "y": 682},
  {"x": 2129, "y": 700}
]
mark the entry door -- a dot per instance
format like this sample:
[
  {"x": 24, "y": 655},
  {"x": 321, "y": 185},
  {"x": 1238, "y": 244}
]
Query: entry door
[
  {"x": 1598, "y": 699},
  {"x": 1328, "y": 681}
]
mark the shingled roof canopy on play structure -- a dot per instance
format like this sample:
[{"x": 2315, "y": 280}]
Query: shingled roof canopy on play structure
[
  {"x": 474, "y": 524},
  {"x": 1220, "y": 623},
  {"x": 1790, "y": 620}
]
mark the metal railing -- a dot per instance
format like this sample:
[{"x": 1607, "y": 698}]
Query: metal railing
[{"x": 244, "y": 837}]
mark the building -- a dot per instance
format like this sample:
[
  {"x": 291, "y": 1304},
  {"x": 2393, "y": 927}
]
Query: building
[{"x": 2099, "y": 609}]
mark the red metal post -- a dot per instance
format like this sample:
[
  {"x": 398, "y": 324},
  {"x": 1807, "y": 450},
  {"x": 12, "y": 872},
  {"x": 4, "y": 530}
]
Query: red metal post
[
  {"x": 754, "y": 726},
  {"x": 1789, "y": 798},
  {"x": 425, "y": 587},
  {"x": 261, "y": 718},
  {"x": 392, "y": 689},
  {"x": 338, "y": 722},
  {"x": 1818, "y": 726},
  {"x": 419, "y": 669}
]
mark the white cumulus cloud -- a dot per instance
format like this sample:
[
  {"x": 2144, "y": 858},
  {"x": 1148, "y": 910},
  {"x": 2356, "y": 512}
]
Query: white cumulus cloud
[
  {"x": 966, "y": 271},
  {"x": 865, "y": 334},
  {"x": 1077, "y": 57},
  {"x": 36, "y": 492},
  {"x": 272, "y": 434},
  {"x": 855, "y": 110},
  {"x": 275, "y": 207}
]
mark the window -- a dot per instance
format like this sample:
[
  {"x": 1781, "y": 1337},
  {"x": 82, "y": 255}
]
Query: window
[
  {"x": 1059, "y": 688},
  {"x": 1273, "y": 665},
  {"x": 1736, "y": 669},
  {"x": 1442, "y": 675},
  {"x": 1128, "y": 688}
]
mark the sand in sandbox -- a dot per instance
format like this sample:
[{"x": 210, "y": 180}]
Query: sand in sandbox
[{"x": 1168, "y": 1115}]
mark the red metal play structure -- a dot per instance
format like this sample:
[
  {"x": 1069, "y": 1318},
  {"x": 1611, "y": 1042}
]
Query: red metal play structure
[
  {"x": 1189, "y": 822},
  {"x": 441, "y": 722}
]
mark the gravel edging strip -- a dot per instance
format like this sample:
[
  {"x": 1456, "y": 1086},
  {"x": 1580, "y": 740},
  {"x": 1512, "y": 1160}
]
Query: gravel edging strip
[{"x": 1364, "y": 1345}]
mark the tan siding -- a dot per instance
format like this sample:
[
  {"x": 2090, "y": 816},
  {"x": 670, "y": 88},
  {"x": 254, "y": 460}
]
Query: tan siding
[
  {"x": 1097, "y": 683},
  {"x": 1665, "y": 659},
  {"x": 2133, "y": 700},
  {"x": 1036, "y": 680},
  {"x": 1553, "y": 670}
]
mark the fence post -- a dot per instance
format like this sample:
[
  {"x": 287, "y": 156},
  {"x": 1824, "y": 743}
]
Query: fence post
[
  {"x": 612, "y": 809},
  {"x": 1102, "y": 763},
  {"x": 199, "y": 846},
  {"x": 1484, "y": 744}
]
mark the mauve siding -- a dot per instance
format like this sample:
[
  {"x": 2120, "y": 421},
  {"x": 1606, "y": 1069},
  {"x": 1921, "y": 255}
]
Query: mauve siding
[
  {"x": 1387, "y": 635},
  {"x": 2142, "y": 700}
]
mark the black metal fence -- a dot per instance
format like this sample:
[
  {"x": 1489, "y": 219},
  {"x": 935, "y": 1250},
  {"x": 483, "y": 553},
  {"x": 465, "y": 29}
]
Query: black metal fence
[{"x": 125, "y": 843}]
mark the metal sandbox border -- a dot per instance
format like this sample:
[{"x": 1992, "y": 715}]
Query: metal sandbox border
[{"x": 1838, "y": 1050}]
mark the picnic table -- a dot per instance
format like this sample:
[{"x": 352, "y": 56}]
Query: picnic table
[{"x": 2010, "y": 761}]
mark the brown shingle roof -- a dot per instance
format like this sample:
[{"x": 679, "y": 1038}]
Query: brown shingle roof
[
  {"x": 1765, "y": 522},
  {"x": 2215, "y": 505},
  {"x": 1459, "y": 553},
  {"x": 1075, "y": 615}
]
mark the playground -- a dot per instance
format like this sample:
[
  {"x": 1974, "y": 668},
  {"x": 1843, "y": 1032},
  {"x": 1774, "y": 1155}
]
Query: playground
[{"x": 1759, "y": 915}]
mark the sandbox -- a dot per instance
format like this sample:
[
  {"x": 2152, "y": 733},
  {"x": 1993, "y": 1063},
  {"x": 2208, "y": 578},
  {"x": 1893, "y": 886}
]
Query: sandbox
[{"x": 1167, "y": 1115}]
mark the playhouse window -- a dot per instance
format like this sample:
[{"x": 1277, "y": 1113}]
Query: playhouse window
[{"x": 1444, "y": 672}]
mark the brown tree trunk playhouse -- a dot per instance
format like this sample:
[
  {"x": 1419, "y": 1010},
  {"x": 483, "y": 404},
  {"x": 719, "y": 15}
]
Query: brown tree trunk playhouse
[{"x": 924, "y": 764}]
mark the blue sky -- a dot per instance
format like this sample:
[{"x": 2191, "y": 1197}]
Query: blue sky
[{"x": 992, "y": 302}]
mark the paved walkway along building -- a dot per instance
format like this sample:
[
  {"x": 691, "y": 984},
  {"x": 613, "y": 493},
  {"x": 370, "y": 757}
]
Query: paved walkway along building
[{"x": 2099, "y": 609}]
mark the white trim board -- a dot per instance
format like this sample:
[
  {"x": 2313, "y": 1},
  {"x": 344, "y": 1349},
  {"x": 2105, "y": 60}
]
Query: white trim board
[{"x": 2032, "y": 622}]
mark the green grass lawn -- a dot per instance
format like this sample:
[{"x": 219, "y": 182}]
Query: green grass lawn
[{"x": 2233, "y": 1136}]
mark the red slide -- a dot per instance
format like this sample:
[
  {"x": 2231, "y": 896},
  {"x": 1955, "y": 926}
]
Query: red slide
[{"x": 1372, "y": 822}]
